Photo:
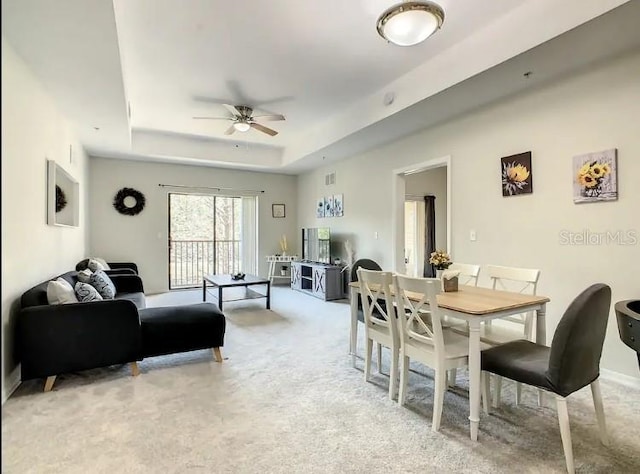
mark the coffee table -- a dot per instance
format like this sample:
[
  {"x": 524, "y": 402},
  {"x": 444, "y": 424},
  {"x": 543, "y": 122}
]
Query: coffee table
[{"x": 225, "y": 281}]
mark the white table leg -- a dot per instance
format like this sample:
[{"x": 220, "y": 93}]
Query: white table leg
[
  {"x": 541, "y": 338},
  {"x": 354, "y": 324},
  {"x": 474, "y": 377}
]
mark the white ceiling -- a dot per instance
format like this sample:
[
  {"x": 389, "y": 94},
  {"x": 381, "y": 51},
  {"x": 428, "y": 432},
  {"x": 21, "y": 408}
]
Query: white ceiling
[{"x": 132, "y": 74}]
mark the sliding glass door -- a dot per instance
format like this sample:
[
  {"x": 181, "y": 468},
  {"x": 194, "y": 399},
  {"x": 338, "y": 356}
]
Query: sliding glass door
[{"x": 209, "y": 234}]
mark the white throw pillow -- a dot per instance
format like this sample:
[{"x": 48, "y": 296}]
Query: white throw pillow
[
  {"x": 84, "y": 275},
  {"x": 95, "y": 265},
  {"x": 60, "y": 291}
]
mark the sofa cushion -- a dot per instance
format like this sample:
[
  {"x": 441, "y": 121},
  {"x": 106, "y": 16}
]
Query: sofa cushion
[
  {"x": 84, "y": 276},
  {"x": 184, "y": 328},
  {"x": 101, "y": 282},
  {"x": 60, "y": 291},
  {"x": 137, "y": 298},
  {"x": 85, "y": 293}
]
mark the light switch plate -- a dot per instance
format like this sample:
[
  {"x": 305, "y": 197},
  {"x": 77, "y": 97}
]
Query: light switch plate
[{"x": 472, "y": 235}]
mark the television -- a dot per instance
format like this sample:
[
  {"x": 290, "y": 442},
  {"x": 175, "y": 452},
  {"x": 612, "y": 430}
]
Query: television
[{"x": 316, "y": 244}]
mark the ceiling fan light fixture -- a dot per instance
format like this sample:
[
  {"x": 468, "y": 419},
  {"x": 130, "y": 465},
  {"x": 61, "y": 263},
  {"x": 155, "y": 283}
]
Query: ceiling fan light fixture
[
  {"x": 410, "y": 23},
  {"x": 241, "y": 126}
]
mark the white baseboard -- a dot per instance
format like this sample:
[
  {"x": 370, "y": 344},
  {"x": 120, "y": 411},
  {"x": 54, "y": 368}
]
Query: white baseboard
[
  {"x": 11, "y": 384},
  {"x": 632, "y": 382}
]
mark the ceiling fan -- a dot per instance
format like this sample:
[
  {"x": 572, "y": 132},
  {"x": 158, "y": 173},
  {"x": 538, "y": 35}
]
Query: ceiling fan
[{"x": 243, "y": 119}]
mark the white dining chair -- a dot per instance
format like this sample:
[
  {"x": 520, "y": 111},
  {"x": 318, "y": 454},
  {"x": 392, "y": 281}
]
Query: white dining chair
[
  {"x": 468, "y": 276},
  {"x": 468, "y": 273},
  {"x": 380, "y": 323},
  {"x": 520, "y": 326},
  {"x": 423, "y": 338}
]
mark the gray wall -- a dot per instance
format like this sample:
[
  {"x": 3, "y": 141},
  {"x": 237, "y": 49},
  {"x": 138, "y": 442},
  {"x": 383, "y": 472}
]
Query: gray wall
[
  {"x": 592, "y": 111},
  {"x": 143, "y": 238},
  {"x": 33, "y": 130}
]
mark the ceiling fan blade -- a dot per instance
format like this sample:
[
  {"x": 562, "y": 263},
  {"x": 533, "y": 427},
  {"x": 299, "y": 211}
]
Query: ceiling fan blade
[
  {"x": 264, "y": 129},
  {"x": 230, "y": 130},
  {"x": 213, "y": 118},
  {"x": 269, "y": 117},
  {"x": 232, "y": 109}
]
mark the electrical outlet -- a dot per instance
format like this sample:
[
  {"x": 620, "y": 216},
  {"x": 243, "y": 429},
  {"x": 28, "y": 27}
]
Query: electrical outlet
[
  {"x": 375, "y": 235},
  {"x": 472, "y": 235}
]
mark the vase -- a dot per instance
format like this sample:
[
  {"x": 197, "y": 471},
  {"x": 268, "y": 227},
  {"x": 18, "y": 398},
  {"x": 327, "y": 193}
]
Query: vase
[{"x": 439, "y": 273}]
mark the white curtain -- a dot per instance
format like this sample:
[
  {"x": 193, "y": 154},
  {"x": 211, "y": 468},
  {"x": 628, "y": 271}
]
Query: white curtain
[{"x": 249, "y": 235}]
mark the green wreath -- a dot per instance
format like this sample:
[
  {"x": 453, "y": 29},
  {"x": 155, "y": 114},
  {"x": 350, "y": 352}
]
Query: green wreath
[{"x": 122, "y": 208}]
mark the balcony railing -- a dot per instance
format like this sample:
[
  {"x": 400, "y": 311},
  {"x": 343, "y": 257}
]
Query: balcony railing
[{"x": 189, "y": 260}]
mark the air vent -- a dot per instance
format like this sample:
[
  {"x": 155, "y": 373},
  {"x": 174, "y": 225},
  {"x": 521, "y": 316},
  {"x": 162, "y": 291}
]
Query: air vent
[{"x": 330, "y": 179}]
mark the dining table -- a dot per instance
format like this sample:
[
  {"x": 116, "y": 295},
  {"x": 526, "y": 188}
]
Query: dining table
[{"x": 475, "y": 305}]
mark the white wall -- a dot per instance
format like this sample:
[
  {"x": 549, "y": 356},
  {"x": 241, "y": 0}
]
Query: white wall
[
  {"x": 432, "y": 182},
  {"x": 33, "y": 131},
  {"x": 591, "y": 111},
  {"x": 143, "y": 238}
]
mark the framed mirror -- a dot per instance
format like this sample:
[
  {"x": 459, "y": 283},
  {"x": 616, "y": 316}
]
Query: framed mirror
[{"x": 63, "y": 194}]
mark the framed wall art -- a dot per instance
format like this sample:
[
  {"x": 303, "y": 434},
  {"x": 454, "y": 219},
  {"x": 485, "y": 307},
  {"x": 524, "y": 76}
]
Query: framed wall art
[
  {"x": 517, "y": 177},
  {"x": 277, "y": 210},
  {"x": 595, "y": 176}
]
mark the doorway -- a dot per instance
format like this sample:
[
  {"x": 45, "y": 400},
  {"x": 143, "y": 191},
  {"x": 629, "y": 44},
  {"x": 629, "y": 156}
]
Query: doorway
[
  {"x": 411, "y": 185},
  {"x": 209, "y": 234}
]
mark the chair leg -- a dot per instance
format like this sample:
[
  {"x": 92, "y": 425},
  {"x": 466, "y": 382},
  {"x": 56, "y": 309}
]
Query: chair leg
[
  {"x": 597, "y": 403},
  {"x": 135, "y": 371},
  {"x": 518, "y": 392},
  {"x": 452, "y": 377},
  {"x": 486, "y": 391},
  {"x": 379, "y": 354},
  {"x": 393, "y": 380},
  {"x": 438, "y": 398},
  {"x": 498, "y": 391},
  {"x": 565, "y": 432},
  {"x": 404, "y": 378},
  {"x": 367, "y": 359},
  {"x": 48, "y": 385}
]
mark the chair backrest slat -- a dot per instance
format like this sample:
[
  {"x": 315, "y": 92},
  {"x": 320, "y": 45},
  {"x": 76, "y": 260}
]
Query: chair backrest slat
[
  {"x": 468, "y": 273},
  {"x": 413, "y": 325},
  {"x": 377, "y": 299}
]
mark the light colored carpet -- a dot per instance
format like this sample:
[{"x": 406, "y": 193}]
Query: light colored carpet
[{"x": 288, "y": 401}]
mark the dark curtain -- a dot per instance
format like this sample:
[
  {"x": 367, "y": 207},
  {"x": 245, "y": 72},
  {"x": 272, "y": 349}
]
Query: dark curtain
[{"x": 430, "y": 234}]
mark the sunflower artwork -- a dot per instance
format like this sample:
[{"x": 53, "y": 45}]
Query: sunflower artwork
[
  {"x": 594, "y": 177},
  {"x": 516, "y": 174}
]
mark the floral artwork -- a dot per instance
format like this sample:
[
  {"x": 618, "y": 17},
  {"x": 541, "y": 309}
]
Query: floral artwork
[
  {"x": 595, "y": 177},
  {"x": 516, "y": 174},
  {"x": 337, "y": 205},
  {"x": 328, "y": 206},
  {"x": 320, "y": 207}
]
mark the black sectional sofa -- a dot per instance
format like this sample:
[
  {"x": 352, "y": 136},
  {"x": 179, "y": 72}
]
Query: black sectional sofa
[{"x": 54, "y": 339}]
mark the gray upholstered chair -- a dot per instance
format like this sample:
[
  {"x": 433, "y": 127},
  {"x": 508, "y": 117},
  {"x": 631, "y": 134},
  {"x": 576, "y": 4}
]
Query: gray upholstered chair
[
  {"x": 571, "y": 363},
  {"x": 628, "y": 316}
]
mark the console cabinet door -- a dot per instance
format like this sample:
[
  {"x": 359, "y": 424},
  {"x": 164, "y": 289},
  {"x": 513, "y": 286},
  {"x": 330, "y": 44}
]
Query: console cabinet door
[
  {"x": 319, "y": 282},
  {"x": 296, "y": 276}
]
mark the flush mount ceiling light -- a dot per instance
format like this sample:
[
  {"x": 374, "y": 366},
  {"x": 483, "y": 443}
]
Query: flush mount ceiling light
[
  {"x": 409, "y": 23},
  {"x": 241, "y": 126}
]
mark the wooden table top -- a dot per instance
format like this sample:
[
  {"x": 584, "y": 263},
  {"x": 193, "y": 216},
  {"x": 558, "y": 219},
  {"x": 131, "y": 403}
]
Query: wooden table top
[{"x": 478, "y": 300}]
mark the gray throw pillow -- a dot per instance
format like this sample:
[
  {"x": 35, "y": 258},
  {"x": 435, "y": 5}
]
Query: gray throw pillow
[
  {"x": 84, "y": 276},
  {"x": 101, "y": 282},
  {"x": 85, "y": 293},
  {"x": 95, "y": 265}
]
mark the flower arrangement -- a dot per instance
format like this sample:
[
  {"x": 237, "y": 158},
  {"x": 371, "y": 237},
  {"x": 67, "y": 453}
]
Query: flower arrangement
[
  {"x": 283, "y": 244},
  {"x": 440, "y": 259},
  {"x": 591, "y": 176}
]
